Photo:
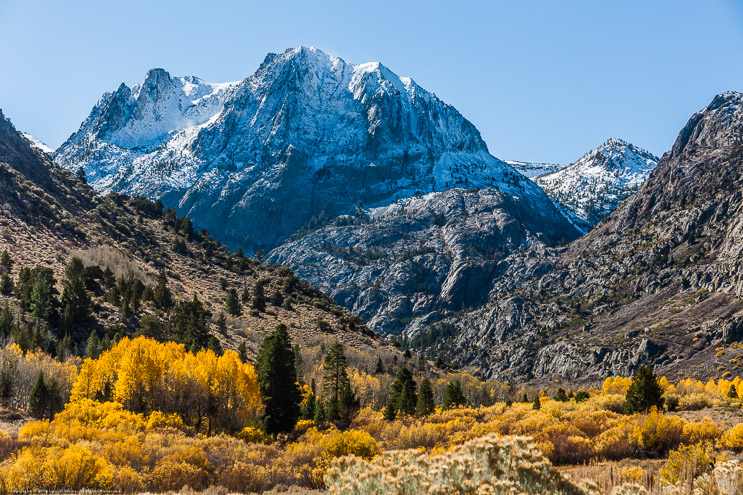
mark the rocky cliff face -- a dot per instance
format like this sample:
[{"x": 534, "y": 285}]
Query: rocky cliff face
[
  {"x": 659, "y": 281},
  {"x": 307, "y": 136},
  {"x": 592, "y": 187},
  {"x": 418, "y": 260}
]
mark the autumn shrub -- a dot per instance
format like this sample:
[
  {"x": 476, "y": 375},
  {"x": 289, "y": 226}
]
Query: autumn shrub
[
  {"x": 687, "y": 462},
  {"x": 484, "y": 465},
  {"x": 614, "y": 443},
  {"x": 608, "y": 402},
  {"x": 8, "y": 445},
  {"x": 700, "y": 431},
  {"x": 53, "y": 468},
  {"x": 657, "y": 432},
  {"x": 733, "y": 438},
  {"x": 694, "y": 402}
]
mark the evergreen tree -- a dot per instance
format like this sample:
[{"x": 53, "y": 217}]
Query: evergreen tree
[
  {"x": 6, "y": 284},
  {"x": 222, "y": 324},
  {"x": 319, "y": 411},
  {"x": 231, "y": 303},
  {"x": 38, "y": 401},
  {"x": 41, "y": 299},
  {"x": 454, "y": 395},
  {"x": 732, "y": 393},
  {"x": 74, "y": 268},
  {"x": 245, "y": 297},
  {"x": 6, "y": 387},
  {"x": 379, "y": 370},
  {"x": 277, "y": 379},
  {"x": 349, "y": 403},
  {"x": 277, "y": 299},
  {"x": 162, "y": 297},
  {"x": 64, "y": 348},
  {"x": 76, "y": 307},
  {"x": 644, "y": 392},
  {"x": 188, "y": 324},
  {"x": 92, "y": 349},
  {"x": 402, "y": 398},
  {"x": 6, "y": 261},
  {"x": 55, "y": 402},
  {"x": 80, "y": 175},
  {"x": 308, "y": 408},
  {"x": 242, "y": 352},
  {"x": 299, "y": 365},
  {"x": 582, "y": 396},
  {"x": 259, "y": 299},
  {"x": 7, "y": 322},
  {"x": 215, "y": 346},
  {"x": 425, "y": 405},
  {"x": 335, "y": 375},
  {"x": 187, "y": 228},
  {"x": 537, "y": 405},
  {"x": 560, "y": 395}
]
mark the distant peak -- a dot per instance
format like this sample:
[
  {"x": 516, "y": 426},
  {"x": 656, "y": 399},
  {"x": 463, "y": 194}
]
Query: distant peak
[
  {"x": 156, "y": 76},
  {"x": 614, "y": 142}
]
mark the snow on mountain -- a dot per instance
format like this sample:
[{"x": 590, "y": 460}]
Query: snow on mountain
[
  {"x": 533, "y": 170},
  {"x": 35, "y": 143},
  {"x": 307, "y": 135},
  {"x": 593, "y": 186}
]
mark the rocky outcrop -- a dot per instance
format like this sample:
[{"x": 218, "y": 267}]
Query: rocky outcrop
[
  {"x": 418, "y": 260},
  {"x": 659, "y": 281}
]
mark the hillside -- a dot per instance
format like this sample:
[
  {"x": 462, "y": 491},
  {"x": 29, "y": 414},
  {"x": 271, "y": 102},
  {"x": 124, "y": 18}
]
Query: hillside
[
  {"x": 48, "y": 216},
  {"x": 657, "y": 282}
]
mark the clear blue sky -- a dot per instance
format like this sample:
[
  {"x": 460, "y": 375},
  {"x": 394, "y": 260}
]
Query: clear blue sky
[{"x": 542, "y": 80}]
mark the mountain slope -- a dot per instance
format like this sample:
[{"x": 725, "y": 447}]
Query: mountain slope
[
  {"x": 533, "y": 170},
  {"x": 47, "y": 216},
  {"x": 593, "y": 186},
  {"x": 420, "y": 259},
  {"x": 306, "y": 136},
  {"x": 659, "y": 281}
]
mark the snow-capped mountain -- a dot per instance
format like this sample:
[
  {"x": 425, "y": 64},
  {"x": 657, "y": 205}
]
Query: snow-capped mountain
[
  {"x": 306, "y": 136},
  {"x": 593, "y": 186},
  {"x": 37, "y": 144},
  {"x": 534, "y": 170}
]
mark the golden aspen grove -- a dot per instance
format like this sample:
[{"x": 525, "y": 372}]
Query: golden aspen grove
[{"x": 152, "y": 416}]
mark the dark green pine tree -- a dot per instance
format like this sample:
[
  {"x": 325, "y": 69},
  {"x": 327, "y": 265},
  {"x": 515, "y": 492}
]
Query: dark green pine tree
[
  {"x": 6, "y": 261},
  {"x": 259, "y": 298},
  {"x": 277, "y": 379},
  {"x": 537, "y": 404},
  {"x": 319, "y": 411},
  {"x": 308, "y": 408},
  {"x": 215, "y": 346},
  {"x": 187, "y": 228},
  {"x": 644, "y": 392},
  {"x": 379, "y": 370},
  {"x": 38, "y": 401},
  {"x": 335, "y": 373},
  {"x": 232, "y": 303},
  {"x": 189, "y": 324},
  {"x": 454, "y": 395},
  {"x": 242, "y": 352},
  {"x": 299, "y": 365},
  {"x": 425, "y": 405},
  {"x": 41, "y": 299},
  {"x": 402, "y": 398},
  {"x": 7, "y": 322},
  {"x": 93, "y": 349},
  {"x": 732, "y": 393},
  {"x": 6, "y": 284},
  {"x": 561, "y": 395},
  {"x": 222, "y": 323},
  {"x": 76, "y": 307},
  {"x": 162, "y": 297}
]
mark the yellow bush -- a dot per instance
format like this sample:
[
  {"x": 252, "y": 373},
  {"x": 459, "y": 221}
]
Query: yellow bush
[
  {"x": 700, "y": 431},
  {"x": 694, "y": 402},
  {"x": 35, "y": 431},
  {"x": 657, "y": 432},
  {"x": 687, "y": 463},
  {"x": 54, "y": 468},
  {"x": 733, "y": 438},
  {"x": 632, "y": 474},
  {"x": 158, "y": 420},
  {"x": 250, "y": 434}
]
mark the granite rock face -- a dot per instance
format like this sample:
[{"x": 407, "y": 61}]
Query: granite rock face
[{"x": 658, "y": 281}]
